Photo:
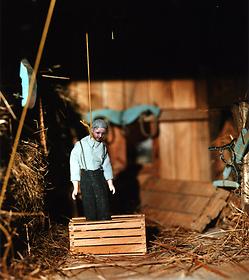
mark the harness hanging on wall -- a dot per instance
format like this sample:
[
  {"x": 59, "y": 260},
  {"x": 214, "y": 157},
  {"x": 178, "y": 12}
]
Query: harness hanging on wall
[{"x": 153, "y": 126}]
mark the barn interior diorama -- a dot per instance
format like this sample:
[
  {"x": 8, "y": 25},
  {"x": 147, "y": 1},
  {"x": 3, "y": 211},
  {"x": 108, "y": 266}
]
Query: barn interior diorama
[{"x": 171, "y": 82}]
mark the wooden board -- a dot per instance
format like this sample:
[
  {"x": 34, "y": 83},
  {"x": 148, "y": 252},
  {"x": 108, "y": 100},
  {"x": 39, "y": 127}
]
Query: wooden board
[
  {"x": 190, "y": 204},
  {"x": 112, "y": 92},
  {"x": 183, "y": 140},
  {"x": 183, "y": 115},
  {"x": 135, "y": 93},
  {"x": 122, "y": 235}
]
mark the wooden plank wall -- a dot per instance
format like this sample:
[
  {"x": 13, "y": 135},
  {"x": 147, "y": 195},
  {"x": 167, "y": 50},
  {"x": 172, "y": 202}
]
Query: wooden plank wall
[
  {"x": 183, "y": 144},
  {"x": 112, "y": 94}
]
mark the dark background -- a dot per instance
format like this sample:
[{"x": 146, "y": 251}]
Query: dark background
[
  {"x": 152, "y": 40},
  {"x": 159, "y": 39}
]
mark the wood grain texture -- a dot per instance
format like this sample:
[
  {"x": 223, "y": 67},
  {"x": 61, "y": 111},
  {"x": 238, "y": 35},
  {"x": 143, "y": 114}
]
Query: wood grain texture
[
  {"x": 183, "y": 139},
  {"x": 192, "y": 205}
]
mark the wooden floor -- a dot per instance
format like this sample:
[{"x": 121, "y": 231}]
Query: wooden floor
[{"x": 225, "y": 271}]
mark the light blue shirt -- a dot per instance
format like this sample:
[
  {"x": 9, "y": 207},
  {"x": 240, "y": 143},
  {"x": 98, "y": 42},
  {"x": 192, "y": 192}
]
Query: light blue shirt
[{"x": 96, "y": 157}]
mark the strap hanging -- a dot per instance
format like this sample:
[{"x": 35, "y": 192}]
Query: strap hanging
[{"x": 83, "y": 154}]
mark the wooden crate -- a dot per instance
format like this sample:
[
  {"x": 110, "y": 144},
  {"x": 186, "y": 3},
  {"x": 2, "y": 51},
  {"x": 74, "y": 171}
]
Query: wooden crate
[{"x": 122, "y": 235}]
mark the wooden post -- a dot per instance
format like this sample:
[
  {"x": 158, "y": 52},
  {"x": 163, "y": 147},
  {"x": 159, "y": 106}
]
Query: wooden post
[
  {"x": 240, "y": 114},
  {"x": 245, "y": 184}
]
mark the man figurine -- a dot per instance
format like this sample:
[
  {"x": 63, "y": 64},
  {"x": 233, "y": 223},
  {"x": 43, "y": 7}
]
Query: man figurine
[{"x": 91, "y": 172}]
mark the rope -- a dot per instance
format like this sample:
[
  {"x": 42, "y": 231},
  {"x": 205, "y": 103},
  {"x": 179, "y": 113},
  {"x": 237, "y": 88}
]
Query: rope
[
  {"x": 89, "y": 90},
  {"x": 7, "y": 248},
  {"x": 87, "y": 126},
  {"x": 24, "y": 112}
]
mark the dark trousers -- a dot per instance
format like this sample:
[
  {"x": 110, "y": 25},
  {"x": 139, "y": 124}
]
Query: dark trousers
[{"x": 94, "y": 189}]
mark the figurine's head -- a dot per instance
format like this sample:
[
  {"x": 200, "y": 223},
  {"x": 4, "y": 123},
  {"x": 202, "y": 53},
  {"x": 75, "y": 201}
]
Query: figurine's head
[{"x": 99, "y": 129}]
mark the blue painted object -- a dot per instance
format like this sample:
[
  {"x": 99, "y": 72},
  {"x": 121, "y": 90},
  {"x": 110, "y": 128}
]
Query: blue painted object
[
  {"x": 226, "y": 172},
  {"x": 25, "y": 74},
  {"x": 238, "y": 152},
  {"x": 225, "y": 183},
  {"x": 124, "y": 117},
  {"x": 112, "y": 116},
  {"x": 131, "y": 114},
  {"x": 25, "y": 83}
]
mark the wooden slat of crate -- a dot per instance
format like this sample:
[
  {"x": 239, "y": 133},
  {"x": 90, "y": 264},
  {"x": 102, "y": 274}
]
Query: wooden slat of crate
[
  {"x": 114, "y": 217},
  {"x": 109, "y": 225},
  {"x": 107, "y": 240},
  {"x": 123, "y": 234},
  {"x": 105, "y": 233},
  {"x": 110, "y": 250}
]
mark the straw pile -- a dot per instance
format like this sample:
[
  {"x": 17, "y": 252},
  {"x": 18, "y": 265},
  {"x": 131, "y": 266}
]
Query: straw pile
[
  {"x": 48, "y": 251},
  {"x": 23, "y": 208},
  {"x": 27, "y": 187}
]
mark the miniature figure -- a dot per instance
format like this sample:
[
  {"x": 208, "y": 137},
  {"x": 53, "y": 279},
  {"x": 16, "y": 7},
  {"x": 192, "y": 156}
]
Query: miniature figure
[{"x": 91, "y": 172}]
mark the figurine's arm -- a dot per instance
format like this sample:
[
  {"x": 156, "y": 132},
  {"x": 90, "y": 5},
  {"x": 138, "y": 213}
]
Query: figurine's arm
[
  {"x": 75, "y": 170},
  {"x": 76, "y": 187},
  {"x": 111, "y": 186},
  {"x": 108, "y": 174}
]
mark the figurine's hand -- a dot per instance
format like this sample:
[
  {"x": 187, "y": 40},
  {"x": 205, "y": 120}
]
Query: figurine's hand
[
  {"x": 75, "y": 189},
  {"x": 112, "y": 189},
  {"x": 74, "y": 193},
  {"x": 111, "y": 186}
]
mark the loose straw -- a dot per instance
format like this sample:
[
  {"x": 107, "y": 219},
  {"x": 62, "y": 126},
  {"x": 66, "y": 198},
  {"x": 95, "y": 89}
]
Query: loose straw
[
  {"x": 7, "y": 105},
  {"x": 21, "y": 214},
  {"x": 7, "y": 248},
  {"x": 24, "y": 112}
]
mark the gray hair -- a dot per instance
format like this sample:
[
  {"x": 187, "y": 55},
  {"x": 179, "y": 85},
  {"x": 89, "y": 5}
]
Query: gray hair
[{"x": 99, "y": 123}]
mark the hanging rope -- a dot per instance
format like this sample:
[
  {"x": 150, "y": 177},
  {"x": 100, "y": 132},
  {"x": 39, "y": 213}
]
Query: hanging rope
[
  {"x": 89, "y": 127},
  {"x": 24, "y": 112}
]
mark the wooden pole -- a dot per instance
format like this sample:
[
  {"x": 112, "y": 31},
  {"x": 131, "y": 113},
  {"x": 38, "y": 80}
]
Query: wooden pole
[
  {"x": 242, "y": 114},
  {"x": 244, "y": 106},
  {"x": 42, "y": 130}
]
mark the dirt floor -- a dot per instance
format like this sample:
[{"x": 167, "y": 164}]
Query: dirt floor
[
  {"x": 225, "y": 271},
  {"x": 173, "y": 254},
  {"x": 220, "y": 252}
]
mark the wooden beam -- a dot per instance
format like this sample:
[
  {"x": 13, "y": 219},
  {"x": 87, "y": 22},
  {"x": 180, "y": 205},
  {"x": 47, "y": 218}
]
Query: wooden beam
[{"x": 183, "y": 115}]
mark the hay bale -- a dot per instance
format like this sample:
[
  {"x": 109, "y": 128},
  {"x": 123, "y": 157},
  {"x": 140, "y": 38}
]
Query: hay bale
[{"x": 27, "y": 184}]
